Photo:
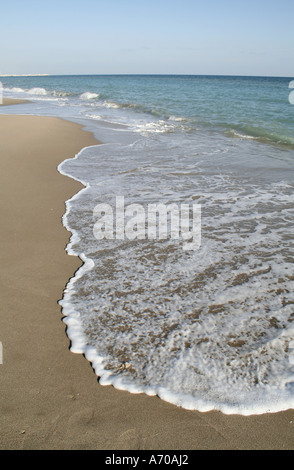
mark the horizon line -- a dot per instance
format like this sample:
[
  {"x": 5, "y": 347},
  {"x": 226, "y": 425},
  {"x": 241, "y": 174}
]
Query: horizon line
[{"x": 141, "y": 74}]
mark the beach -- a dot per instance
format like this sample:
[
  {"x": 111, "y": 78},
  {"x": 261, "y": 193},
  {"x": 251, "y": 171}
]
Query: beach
[
  {"x": 9, "y": 101},
  {"x": 51, "y": 398}
]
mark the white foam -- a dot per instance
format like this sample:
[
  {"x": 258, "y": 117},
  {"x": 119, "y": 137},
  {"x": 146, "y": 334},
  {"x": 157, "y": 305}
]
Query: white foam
[
  {"x": 61, "y": 94},
  {"x": 147, "y": 305},
  {"x": 17, "y": 90},
  {"x": 177, "y": 118},
  {"x": 155, "y": 127},
  {"x": 87, "y": 95},
  {"x": 110, "y": 105},
  {"x": 242, "y": 136},
  {"x": 94, "y": 116},
  {"x": 37, "y": 91}
]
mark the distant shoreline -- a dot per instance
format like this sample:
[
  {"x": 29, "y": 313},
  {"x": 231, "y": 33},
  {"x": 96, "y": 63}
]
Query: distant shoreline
[
  {"x": 26, "y": 75},
  {"x": 144, "y": 75}
]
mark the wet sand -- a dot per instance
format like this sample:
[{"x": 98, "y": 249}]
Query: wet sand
[
  {"x": 9, "y": 101},
  {"x": 50, "y": 398}
]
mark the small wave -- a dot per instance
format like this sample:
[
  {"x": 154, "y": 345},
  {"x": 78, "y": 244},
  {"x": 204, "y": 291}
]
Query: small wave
[
  {"x": 234, "y": 133},
  {"x": 93, "y": 116},
  {"x": 177, "y": 119},
  {"x": 37, "y": 91},
  {"x": 31, "y": 91},
  {"x": 16, "y": 90},
  {"x": 87, "y": 95},
  {"x": 160, "y": 126},
  {"x": 157, "y": 127},
  {"x": 111, "y": 104},
  {"x": 60, "y": 94},
  {"x": 260, "y": 135}
]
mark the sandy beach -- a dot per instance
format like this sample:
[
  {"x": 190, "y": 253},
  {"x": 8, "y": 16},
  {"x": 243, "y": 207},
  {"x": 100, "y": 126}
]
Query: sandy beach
[
  {"x": 9, "y": 101},
  {"x": 50, "y": 398}
]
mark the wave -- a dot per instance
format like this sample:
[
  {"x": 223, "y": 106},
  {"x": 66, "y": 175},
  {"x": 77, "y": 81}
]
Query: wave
[
  {"x": 87, "y": 95},
  {"x": 260, "y": 134},
  {"x": 160, "y": 126},
  {"x": 37, "y": 91},
  {"x": 177, "y": 118},
  {"x": 16, "y": 90},
  {"x": 31, "y": 91},
  {"x": 61, "y": 94},
  {"x": 94, "y": 116}
]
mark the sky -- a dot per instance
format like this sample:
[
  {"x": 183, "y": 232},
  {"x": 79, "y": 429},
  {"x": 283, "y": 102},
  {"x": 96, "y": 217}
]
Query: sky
[{"x": 213, "y": 37}]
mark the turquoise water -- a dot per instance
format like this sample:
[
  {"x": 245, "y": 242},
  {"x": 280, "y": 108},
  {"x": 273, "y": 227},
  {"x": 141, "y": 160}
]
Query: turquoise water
[
  {"x": 205, "y": 328},
  {"x": 256, "y": 107}
]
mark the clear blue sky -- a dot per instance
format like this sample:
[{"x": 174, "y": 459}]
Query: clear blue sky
[{"x": 242, "y": 37}]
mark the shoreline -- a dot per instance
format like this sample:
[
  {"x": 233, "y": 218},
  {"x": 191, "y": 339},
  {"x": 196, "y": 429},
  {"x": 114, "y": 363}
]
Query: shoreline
[
  {"x": 50, "y": 397},
  {"x": 10, "y": 101}
]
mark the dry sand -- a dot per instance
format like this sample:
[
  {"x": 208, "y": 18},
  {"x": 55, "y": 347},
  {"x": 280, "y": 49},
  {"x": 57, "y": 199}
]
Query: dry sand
[{"x": 49, "y": 397}]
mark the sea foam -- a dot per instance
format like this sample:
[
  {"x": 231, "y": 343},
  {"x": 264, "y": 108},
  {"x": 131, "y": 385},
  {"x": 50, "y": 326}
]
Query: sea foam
[
  {"x": 88, "y": 95},
  {"x": 37, "y": 91},
  {"x": 206, "y": 330}
]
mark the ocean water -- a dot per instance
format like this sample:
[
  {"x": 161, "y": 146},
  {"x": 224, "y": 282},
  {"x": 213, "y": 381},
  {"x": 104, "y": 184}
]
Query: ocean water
[{"x": 210, "y": 327}]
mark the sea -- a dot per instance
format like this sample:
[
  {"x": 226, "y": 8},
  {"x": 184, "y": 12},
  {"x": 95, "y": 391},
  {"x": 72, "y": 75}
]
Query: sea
[{"x": 205, "y": 325}]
